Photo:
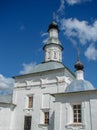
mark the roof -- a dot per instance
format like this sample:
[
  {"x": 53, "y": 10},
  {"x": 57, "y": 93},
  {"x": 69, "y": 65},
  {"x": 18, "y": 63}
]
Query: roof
[
  {"x": 43, "y": 67},
  {"x": 75, "y": 92},
  {"x": 6, "y": 98},
  {"x": 47, "y": 66},
  {"x": 79, "y": 85},
  {"x": 53, "y": 40}
]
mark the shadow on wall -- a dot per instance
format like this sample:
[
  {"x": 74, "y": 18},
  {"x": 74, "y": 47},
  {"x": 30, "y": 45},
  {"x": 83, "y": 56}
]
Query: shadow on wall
[{"x": 51, "y": 123}]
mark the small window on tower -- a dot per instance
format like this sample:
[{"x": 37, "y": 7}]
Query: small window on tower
[
  {"x": 55, "y": 55},
  {"x": 30, "y": 101},
  {"x": 49, "y": 55}
]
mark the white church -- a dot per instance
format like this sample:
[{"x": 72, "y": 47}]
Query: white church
[{"x": 50, "y": 97}]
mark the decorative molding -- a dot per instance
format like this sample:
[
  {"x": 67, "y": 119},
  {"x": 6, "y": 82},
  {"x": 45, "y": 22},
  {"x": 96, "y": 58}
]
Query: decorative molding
[
  {"x": 28, "y": 111},
  {"x": 45, "y": 109},
  {"x": 75, "y": 126}
]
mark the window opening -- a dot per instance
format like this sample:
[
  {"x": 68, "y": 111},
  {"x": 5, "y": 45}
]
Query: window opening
[{"x": 77, "y": 113}]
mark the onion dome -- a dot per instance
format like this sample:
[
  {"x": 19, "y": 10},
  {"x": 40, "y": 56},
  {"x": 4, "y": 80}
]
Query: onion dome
[
  {"x": 53, "y": 25},
  {"x": 79, "y": 65},
  {"x": 79, "y": 84}
]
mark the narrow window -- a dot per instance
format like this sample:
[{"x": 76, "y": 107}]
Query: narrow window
[
  {"x": 55, "y": 55},
  {"x": 77, "y": 113},
  {"x": 49, "y": 55},
  {"x": 27, "y": 123},
  {"x": 30, "y": 101},
  {"x": 46, "y": 117}
]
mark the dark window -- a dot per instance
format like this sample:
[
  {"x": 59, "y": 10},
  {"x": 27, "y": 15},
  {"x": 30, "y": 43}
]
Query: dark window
[
  {"x": 46, "y": 117},
  {"x": 30, "y": 101},
  {"x": 27, "y": 123},
  {"x": 77, "y": 113}
]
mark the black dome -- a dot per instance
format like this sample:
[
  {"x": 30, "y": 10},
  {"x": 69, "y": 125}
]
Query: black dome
[
  {"x": 53, "y": 25},
  {"x": 79, "y": 65}
]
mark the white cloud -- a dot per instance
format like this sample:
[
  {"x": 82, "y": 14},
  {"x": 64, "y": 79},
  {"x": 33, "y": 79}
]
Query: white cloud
[
  {"x": 27, "y": 68},
  {"x": 91, "y": 52},
  {"x": 45, "y": 41},
  {"x": 6, "y": 83},
  {"x": 84, "y": 32},
  {"x": 61, "y": 10},
  {"x": 44, "y": 34},
  {"x": 62, "y": 6},
  {"x": 73, "y": 28},
  {"x": 46, "y": 37},
  {"x": 72, "y": 2}
]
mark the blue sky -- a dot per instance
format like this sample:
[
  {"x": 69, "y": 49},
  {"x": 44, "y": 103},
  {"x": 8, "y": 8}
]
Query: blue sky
[{"x": 23, "y": 30}]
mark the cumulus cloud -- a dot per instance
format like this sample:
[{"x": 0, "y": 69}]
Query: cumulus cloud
[
  {"x": 45, "y": 36},
  {"x": 45, "y": 41},
  {"x": 6, "y": 82},
  {"x": 27, "y": 68},
  {"x": 78, "y": 32},
  {"x": 73, "y": 28},
  {"x": 91, "y": 52},
  {"x": 72, "y": 2},
  {"x": 84, "y": 32},
  {"x": 61, "y": 10},
  {"x": 62, "y": 6},
  {"x": 6, "y": 85}
]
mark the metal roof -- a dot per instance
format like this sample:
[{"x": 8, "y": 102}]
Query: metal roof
[
  {"x": 79, "y": 85},
  {"x": 53, "y": 40},
  {"x": 51, "y": 65},
  {"x": 47, "y": 66},
  {"x": 6, "y": 98}
]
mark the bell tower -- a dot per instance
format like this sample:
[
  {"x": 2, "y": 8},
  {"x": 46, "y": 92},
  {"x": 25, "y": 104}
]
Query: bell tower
[{"x": 53, "y": 48}]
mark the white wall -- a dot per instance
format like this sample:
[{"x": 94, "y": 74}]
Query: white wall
[
  {"x": 63, "y": 111},
  {"x": 40, "y": 86},
  {"x": 5, "y": 117}
]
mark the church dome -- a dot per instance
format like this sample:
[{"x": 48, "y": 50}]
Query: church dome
[
  {"x": 79, "y": 85},
  {"x": 79, "y": 65},
  {"x": 53, "y": 25}
]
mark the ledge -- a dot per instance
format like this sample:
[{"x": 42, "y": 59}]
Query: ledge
[
  {"x": 43, "y": 125},
  {"x": 28, "y": 109},
  {"x": 81, "y": 125},
  {"x": 45, "y": 109}
]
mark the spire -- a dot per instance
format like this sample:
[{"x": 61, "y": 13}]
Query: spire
[
  {"x": 54, "y": 24},
  {"x": 54, "y": 16},
  {"x": 79, "y": 65},
  {"x": 79, "y": 68}
]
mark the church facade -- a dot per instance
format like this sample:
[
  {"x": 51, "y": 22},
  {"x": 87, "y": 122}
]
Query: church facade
[{"x": 51, "y": 97}]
